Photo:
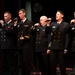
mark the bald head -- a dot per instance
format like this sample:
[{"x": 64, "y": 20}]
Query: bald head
[{"x": 43, "y": 20}]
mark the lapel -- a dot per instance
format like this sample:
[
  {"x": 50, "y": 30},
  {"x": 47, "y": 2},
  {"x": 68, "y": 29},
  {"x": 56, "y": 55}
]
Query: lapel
[
  {"x": 25, "y": 24},
  {"x": 8, "y": 24},
  {"x": 59, "y": 26},
  {"x": 25, "y": 21}
]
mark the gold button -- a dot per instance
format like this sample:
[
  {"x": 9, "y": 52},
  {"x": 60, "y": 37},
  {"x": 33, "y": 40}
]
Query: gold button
[
  {"x": 58, "y": 40},
  {"x": 51, "y": 33},
  {"x": 54, "y": 40},
  {"x": 4, "y": 39},
  {"x": 59, "y": 32},
  {"x": 37, "y": 34},
  {"x": 22, "y": 31},
  {"x": 0, "y": 29},
  {"x": 1, "y": 36},
  {"x": 4, "y": 36}
]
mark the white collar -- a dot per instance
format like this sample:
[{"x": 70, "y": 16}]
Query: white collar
[
  {"x": 9, "y": 21},
  {"x": 58, "y": 22},
  {"x": 24, "y": 20}
]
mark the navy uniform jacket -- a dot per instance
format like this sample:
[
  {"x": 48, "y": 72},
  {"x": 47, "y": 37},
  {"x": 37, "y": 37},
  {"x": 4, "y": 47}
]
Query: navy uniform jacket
[
  {"x": 72, "y": 38},
  {"x": 24, "y": 30},
  {"x": 59, "y": 33},
  {"x": 41, "y": 44},
  {"x": 8, "y": 36}
]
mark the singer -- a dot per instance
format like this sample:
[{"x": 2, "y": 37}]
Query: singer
[
  {"x": 24, "y": 29},
  {"x": 41, "y": 46},
  {"x": 59, "y": 42},
  {"x": 72, "y": 44},
  {"x": 8, "y": 46}
]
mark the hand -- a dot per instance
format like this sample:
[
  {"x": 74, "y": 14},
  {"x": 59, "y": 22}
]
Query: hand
[
  {"x": 73, "y": 21},
  {"x": 21, "y": 38},
  {"x": 36, "y": 24},
  {"x": 15, "y": 23},
  {"x": 48, "y": 21},
  {"x": 48, "y": 51},
  {"x": 2, "y": 22},
  {"x": 65, "y": 51}
]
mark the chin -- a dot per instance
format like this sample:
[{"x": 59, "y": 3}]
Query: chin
[{"x": 57, "y": 19}]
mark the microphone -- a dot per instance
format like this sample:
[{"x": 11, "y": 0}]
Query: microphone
[
  {"x": 72, "y": 23},
  {"x": 35, "y": 25},
  {"x": 49, "y": 19},
  {"x": 15, "y": 19}
]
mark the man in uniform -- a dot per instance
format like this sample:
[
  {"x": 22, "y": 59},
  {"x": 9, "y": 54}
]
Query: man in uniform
[
  {"x": 24, "y": 30},
  {"x": 58, "y": 44},
  {"x": 8, "y": 45},
  {"x": 72, "y": 40},
  {"x": 41, "y": 46},
  {"x": 73, "y": 35}
]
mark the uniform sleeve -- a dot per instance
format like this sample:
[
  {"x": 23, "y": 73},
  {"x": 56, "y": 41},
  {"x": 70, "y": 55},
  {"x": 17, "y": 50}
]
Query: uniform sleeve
[
  {"x": 9, "y": 29},
  {"x": 28, "y": 36},
  {"x": 49, "y": 32},
  {"x": 67, "y": 36},
  {"x": 48, "y": 29}
]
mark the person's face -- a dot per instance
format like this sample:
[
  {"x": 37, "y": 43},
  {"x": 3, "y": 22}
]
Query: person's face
[
  {"x": 42, "y": 21},
  {"x": 7, "y": 17},
  {"x": 21, "y": 14},
  {"x": 59, "y": 16}
]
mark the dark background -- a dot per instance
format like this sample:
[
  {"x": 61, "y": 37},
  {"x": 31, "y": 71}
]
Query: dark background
[{"x": 49, "y": 8}]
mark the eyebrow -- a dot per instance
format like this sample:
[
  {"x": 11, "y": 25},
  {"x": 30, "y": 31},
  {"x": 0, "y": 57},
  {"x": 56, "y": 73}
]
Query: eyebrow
[{"x": 5, "y": 16}]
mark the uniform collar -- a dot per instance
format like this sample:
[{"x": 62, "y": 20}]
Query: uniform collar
[
  {"x": 24, "y": 20},
  {"x": 9, "y": 21},
  {"x": 59, "y": 22}
]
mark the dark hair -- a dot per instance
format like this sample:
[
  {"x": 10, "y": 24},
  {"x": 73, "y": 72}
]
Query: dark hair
[
  {"x": 23, "y": 10},
  {"x": 60, "y": 12},
  {"x": 8, "y": 12}
]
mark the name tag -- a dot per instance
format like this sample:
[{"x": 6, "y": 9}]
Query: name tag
[
  {"x": 8, "y": 27},
  {"x": 54, "y": 27},
  {"x": 25, "y": 25},
  {"x": 73, "y": 28}
]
